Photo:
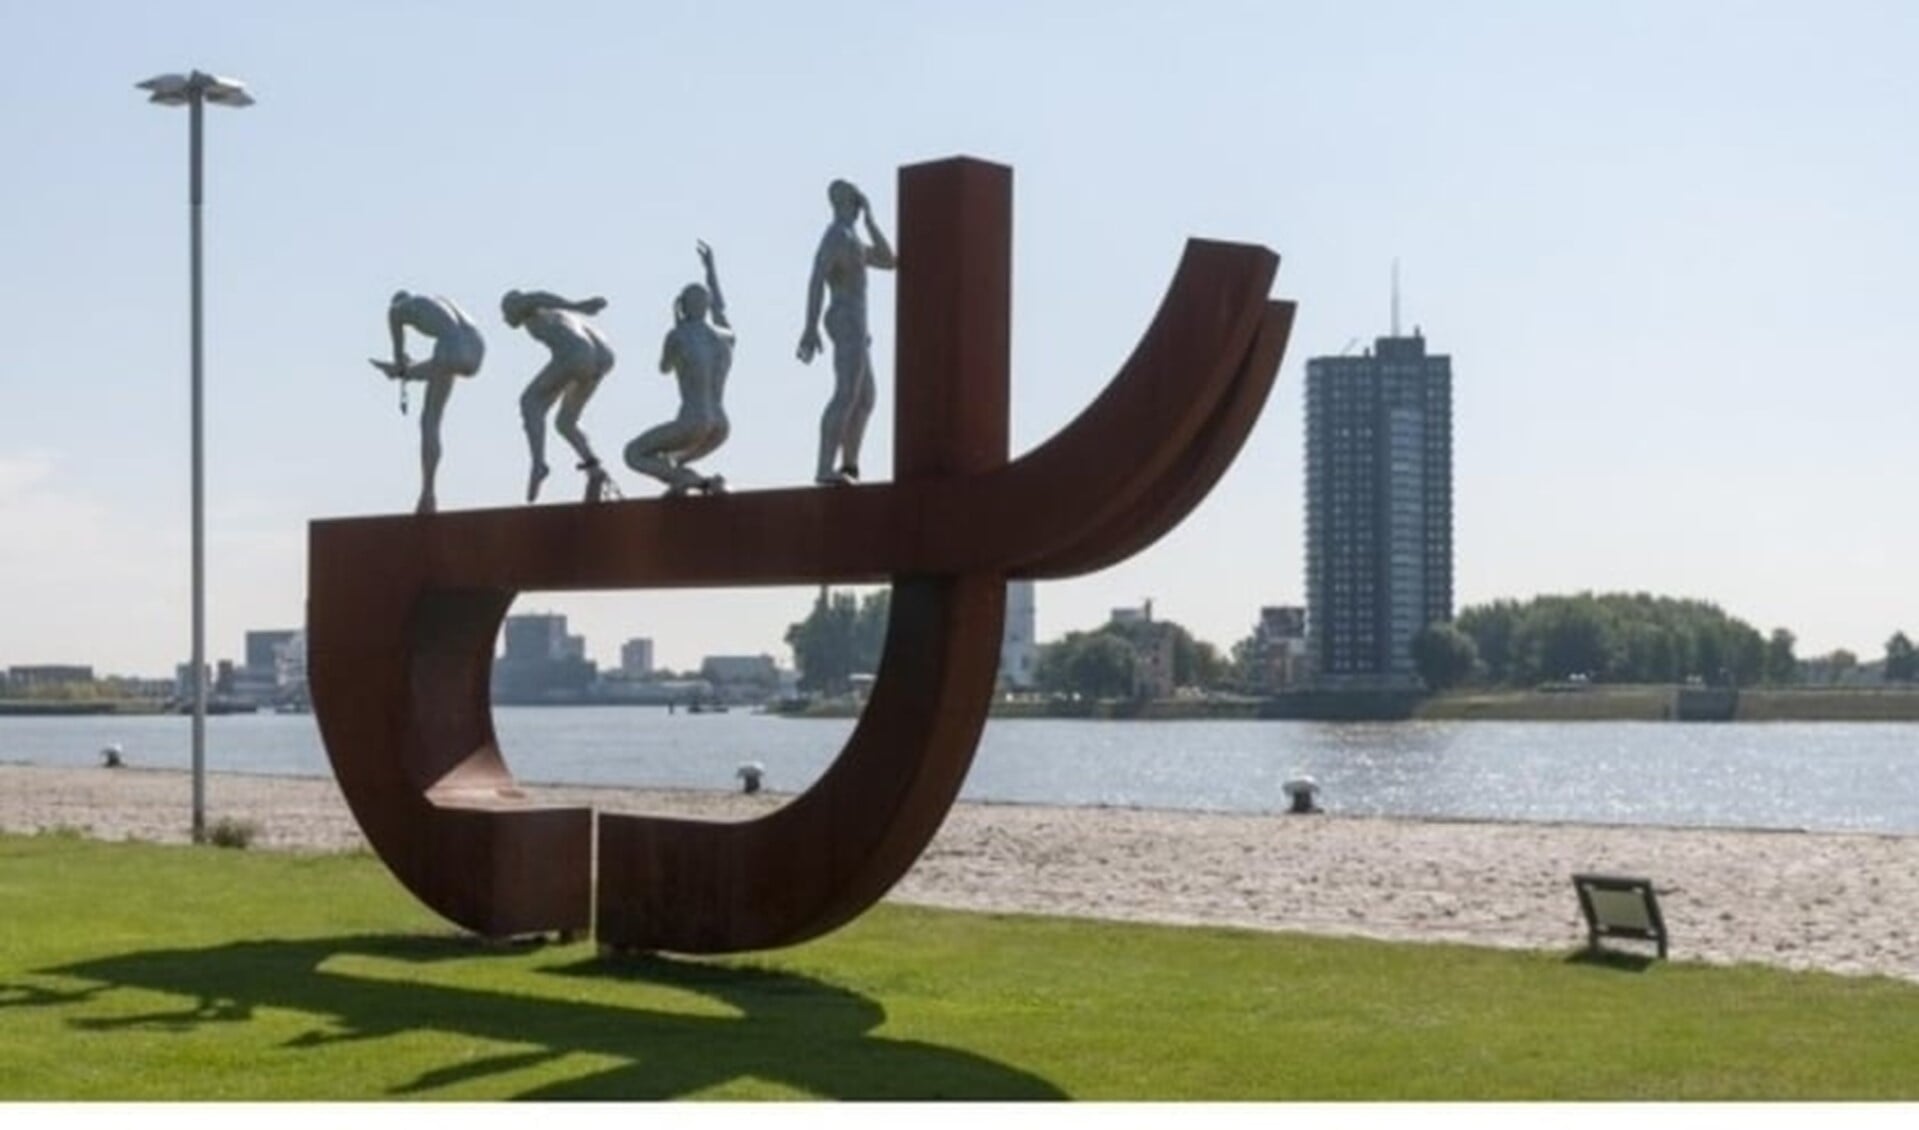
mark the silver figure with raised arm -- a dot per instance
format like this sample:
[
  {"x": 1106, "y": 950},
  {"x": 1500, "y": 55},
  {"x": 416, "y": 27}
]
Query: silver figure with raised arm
[
  {"x": 458, "y": 351},
  {"x": 700, "y": 354},
  {"x": 839, "y": 275},
  {"x": 581, "y": 359}
]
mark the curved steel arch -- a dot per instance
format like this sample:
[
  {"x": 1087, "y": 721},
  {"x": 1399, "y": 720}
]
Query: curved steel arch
[{"x": 403, "y": 611}]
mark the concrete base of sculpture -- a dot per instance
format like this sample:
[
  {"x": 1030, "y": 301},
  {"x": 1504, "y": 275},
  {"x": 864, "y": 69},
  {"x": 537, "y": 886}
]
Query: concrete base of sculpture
[{"x": 511, "y": 868}]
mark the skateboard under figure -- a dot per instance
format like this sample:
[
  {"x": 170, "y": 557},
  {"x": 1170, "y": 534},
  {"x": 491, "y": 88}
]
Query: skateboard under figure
[
  {"x": 700, "y": 354},
  {"x": 711, "y": 484}
]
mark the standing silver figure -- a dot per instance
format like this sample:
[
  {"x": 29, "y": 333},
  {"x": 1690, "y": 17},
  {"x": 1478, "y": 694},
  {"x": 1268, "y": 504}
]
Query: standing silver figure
[
  {"x": 839, "y": 270},
  {"x": 458, "y": 351},
  {"x": 581, "y": 359},
  {"x": 700, "y": 354}
]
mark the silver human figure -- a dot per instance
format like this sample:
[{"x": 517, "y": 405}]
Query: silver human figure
[
  {"x": 839, "y": 270},
  {"x": 700, "y": 354},
  {"x": 458, "y": 351},
  {"x": 581, "y": 359}
]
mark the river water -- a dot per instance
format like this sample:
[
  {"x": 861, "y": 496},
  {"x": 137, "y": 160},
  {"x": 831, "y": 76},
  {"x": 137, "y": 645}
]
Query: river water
[{"x": 1825, "y": 775}]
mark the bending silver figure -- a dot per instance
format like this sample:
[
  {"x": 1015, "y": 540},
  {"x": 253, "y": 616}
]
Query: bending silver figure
[
  {"x": 458, "y": 351},
  {"x": 700, "y": 354},
  {"x": 581, "y": 359},
  {"x": 839, "y": 269}
]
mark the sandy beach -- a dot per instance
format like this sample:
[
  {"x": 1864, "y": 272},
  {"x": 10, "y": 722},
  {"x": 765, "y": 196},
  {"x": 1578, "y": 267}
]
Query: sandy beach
[{"x": 1845, "y": 903}]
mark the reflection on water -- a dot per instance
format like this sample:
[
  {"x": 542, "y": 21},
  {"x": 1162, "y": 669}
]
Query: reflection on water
[{"x": 1858, "y": 776}]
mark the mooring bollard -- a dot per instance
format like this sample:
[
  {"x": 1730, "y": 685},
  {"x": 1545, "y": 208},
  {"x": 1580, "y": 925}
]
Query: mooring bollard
[{"x": 1301, "y": 792}]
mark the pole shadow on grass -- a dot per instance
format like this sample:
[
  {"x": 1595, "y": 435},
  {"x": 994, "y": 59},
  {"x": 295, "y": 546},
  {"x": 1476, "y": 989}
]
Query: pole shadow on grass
[{"x": 792, "y": 1030}]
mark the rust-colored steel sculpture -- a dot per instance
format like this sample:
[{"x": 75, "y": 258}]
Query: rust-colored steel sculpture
[{"x": 403, "y": 611}]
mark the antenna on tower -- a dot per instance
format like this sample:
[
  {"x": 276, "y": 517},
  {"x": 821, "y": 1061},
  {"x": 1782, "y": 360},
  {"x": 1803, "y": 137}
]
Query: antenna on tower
[{"x": 1395, "y": 296}]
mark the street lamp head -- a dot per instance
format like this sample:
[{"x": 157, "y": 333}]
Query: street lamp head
[
  {"x": 179, "y": 90},
  {"x": 167, "y": 90},
  {"x": 226, "y": 91}
]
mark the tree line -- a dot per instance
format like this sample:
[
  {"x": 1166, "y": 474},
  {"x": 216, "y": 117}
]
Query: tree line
[
  {"x": 1622, "y": 638},
  {"x": 1601, "y": 638},
  {"x": 1105, "y": 662},
  {"x": 842, "y": 636}
]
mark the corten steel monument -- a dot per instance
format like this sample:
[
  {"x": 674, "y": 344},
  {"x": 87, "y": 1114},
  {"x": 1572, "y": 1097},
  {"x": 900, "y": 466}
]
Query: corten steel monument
[{"x": 403, "y": 610}]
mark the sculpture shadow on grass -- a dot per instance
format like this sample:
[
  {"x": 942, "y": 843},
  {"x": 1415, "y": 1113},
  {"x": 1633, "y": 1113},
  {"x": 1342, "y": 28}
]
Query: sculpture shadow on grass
[{"x": 794, "y": 1031}]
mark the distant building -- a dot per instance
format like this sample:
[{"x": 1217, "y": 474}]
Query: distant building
[
  {"x": 613, "y": 687},
  {"x": 1278, "y": 658},
  {"x": 183, "y": 681},
  {"x": 1379, "y": 515},
  {"x": 1821, "y": 671},
  {"x": 266, "y": 648},
  {"x": 1019, "y": 647},
  {"x": 54, "y": 680},
  {"x": 1153, "y": 665},
  {"x": 45, "y": 676},
  {"x": 1154, "y": 650},
  {"x": 742, "y": 678},
  {"x": 273, "y": 673},
  {"x": 262, "y": 680},
  {"x": 538, "y": 637},
  {"x": 541, "y": 663},
  {"x": 636, "y": 657},
  {"x": 740, "y": 669},
  {"x": 293, "y": 670},
  {"x": 129, "y": 686}
]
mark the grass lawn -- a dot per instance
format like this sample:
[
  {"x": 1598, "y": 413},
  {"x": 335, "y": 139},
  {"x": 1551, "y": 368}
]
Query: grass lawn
[{"x": 139, "y": 972}]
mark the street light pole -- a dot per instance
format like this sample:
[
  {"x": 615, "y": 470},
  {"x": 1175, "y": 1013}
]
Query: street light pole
[
  {"x": 196, "y": 110},
  {"x": 194, "y": 91}
]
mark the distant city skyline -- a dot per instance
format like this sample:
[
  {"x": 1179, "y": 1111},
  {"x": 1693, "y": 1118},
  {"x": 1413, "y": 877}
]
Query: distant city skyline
[{"x": 1674, "y": 245}]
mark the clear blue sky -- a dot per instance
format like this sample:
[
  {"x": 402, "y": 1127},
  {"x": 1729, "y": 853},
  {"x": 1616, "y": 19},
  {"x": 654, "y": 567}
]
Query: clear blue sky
[{"x": 1670, "y": 248}]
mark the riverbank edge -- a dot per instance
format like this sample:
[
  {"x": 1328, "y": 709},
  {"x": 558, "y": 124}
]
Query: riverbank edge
[
  {"x": 1565, "y": 703},
  {"x": 91, "y": 708},
  {"x": 1840, "y": 902},
  {"x": 1665, "y": 704},
  {"x": 1633, "y": 703}
]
